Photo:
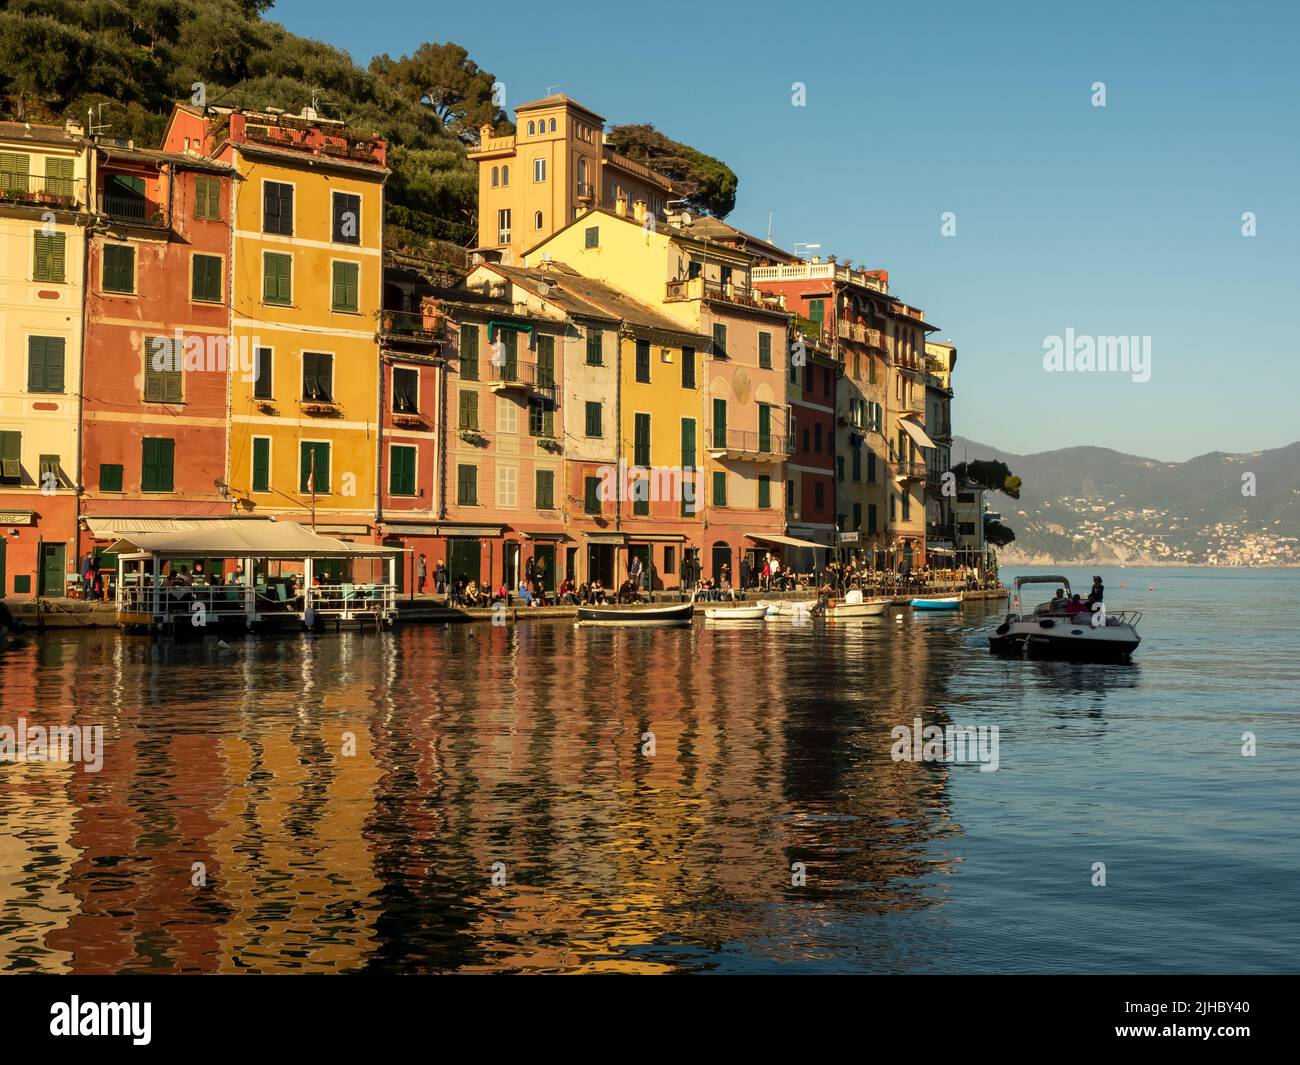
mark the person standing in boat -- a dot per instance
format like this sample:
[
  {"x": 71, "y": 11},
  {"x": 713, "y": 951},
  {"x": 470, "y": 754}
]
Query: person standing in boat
[{"x": 1098, "y": 591}]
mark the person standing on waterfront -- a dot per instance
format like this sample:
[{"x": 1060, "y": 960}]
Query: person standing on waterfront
[
  {"x": 440, "y": 578},
  {"x": 421, "y": 567},
  {"x": 634, "y": 571},
  {"x": 87, "y": 575},
  {"x": 745, "y": 571}
]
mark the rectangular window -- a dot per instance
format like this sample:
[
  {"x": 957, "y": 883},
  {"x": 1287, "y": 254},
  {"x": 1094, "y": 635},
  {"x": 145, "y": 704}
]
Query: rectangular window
[
  {"x": 765, "y": 428},
  {"x": 544, "y": 490},
  {"x": 789, "y": 497},
  {"x": 857, "y": 515},
  {"x": 641, "y": 440},
  {"x": 277, "y": 208},
  {"x": 592, "y": 237},
  {"x": 314, "y": 467},
  {"x": 466, "y": 485},
  {"x": 719, "y": 340},
  {"x": 207, "y": 198},
  {"x": 595, "y": 347},
  {"x": 643, "y": 361},
  {"x": 11, "y": 453},
  {"x": 670, "y": 560},
  {"x": 162, "y": 372},
  {"x": 641, "y": 497},
  {"x": 541, "y": 417},
  {"x": 277, "y": 278},
  {"x": 45, "y": 364},
  {"x": 819, "y": 496},
  {"x": 765, "y": 350},
  {"x": 503, "y": 226},
  {"x": 817, "y": 311},
  {"x": 345, "y": 287},
  {"x": 719, "y": 489},
  {"x": 719, "y": 423},
  {"x": 262, "y": 366},
  {"x": 317, "y": 377},
  {"x": 110, "y": 477},
  {"x": 857, "y": 464},
  {"x": 346, "y": 223},
  {"x": 593, "y": 419},
  {"x": 871, "y": 467},
  {"x": 469, "y": 352},
  {"x": 688, "y": 443},
  {"x": 839, "y": 466},
  {"x": 468, "y": 410},
  {"x": 688, "y": 367},
  {"x": 507, "y": 416},
  {"x": 907, "y": 505},
  {"x": 401, "y": 471},
  {"x": 205, "y": 286},
  {"x": 119, "y": 268},
  {"x": 51, "y": 473},
  {"x": 406, "y": 391},
  {"x": 157, "y": 465},
  {"x": 871, "y": 517},
  {"x": 261, "y": 464},
  {"x": 591, "y": 495},
  {"x": 49, "y": 262},
  {"x": 764, "y": 491}
]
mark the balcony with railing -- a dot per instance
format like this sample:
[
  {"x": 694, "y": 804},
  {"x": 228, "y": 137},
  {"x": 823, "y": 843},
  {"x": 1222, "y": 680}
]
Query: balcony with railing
[
  {"x": 40, "y": 190},
  {"x": 304, "y": 135},
  {"x": 744, "y": 444},
  {"x": 522, "y": 378},
  {"x": 698, "y": 288},
  {"x": 819, "y": 272},
  {"x": 912, "y": 403},
  {"x": 133, "y": 210},
  {"x": 409, "y": 328},
  {"x": 586, "y": 192},
  {"x": 909, "y": 470}
]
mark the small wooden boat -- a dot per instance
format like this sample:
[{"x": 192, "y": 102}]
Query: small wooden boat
[
  {"x": 736, "y": 613},
  {"x": 791, "y": 608},
  {"x": 941, "y": 602},
  {"x": 678, "y": 614}
]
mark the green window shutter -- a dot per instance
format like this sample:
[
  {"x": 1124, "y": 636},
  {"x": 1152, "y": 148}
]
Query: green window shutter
[
  {"x": 545, "y": 361},
  {"x": 58, "y": 176},
  {"x": 206, "y": 286},
  {"x": 277, "y": 278},
  {"x": 765, "y": 350},
  {"x": 261, "y": 464},
  {"x": 263, "y": 359},
  {"x": 544, "y": 492},
  {"x": 468, "y": 410},
  {"x": 45, "y": 364},
  {"x": 321, "y": 453},
  {"x": 510, "y": 337},
  {"x": 13, "y": 172},
  {"x": 688, "y": 443},
  {"x": 593, "y": 419},
  {"x": 469, "y": 352},
  {"x": 48, "y": 256},
  {"x": 591, "y": 495},
  {"x": 172, "y": 387},
  {"x": 595, "y": 347},
  {"x": 401, "y": 476},
  {"x": 119, "y": 268},
  {"x": 157, "y": 464},
  {"x": 719, "y": 423},
  {"x": 719, "y": 340},
  {"x": 641, "y": 497},
  {"x": 207, "y": 198},
  {"x": 110, "y": 477},
  {"x": 11, "y": 449},
  {"x": 346, "y": 283},
  {"x": 643, "y": 361},
  {"x": 688, "y": 367},
  {"x": 467, "y": 485},
  {"x": 641, "y": 454},
  {"x": 719, "y": 489},
  {"x": 764, "y": 428},
  {"x": 764, "y": 491}
]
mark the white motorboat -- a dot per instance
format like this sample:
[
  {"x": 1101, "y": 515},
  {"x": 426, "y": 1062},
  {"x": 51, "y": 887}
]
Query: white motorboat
[
  {"x": 789, "y": 608},
  {"x": 736, "y": 613},
  {"x": 854, "y": 605},
  {"x": 1047, "y": 631}
]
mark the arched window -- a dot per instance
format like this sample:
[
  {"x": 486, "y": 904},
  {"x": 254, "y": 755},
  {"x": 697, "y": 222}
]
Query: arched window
[
  {"x": 532, "y": 128},
  {"x": 496, "y": 177},
  {"x": 552, "y": 125},
  {"x": 539, "y": 169},
  {"x": 505, "y": 176},
  {"x": 537, "y": 220},
  {"x": 582, "y": 171}
]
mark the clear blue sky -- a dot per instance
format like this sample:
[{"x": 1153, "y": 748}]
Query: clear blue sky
[{"x": 1117, "y": 220}]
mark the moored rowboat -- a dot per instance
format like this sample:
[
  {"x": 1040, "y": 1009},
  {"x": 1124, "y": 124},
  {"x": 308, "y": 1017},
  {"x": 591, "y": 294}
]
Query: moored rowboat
[
  {"x": 941, "y": 602},
  {"x": 679, "y": 614},
  {"x": 736, "y": 613}
]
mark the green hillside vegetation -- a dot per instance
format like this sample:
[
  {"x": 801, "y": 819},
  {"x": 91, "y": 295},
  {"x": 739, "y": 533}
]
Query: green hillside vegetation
[{"x": 60, "y": 58}]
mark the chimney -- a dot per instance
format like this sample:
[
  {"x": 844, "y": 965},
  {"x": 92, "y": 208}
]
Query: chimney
[
  {"x": 74, "y": 128},
  {"x": 638, "y": 210}
]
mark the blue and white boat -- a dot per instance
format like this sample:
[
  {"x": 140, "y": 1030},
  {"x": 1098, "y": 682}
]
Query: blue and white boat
[{"x": 941, "y": 602}]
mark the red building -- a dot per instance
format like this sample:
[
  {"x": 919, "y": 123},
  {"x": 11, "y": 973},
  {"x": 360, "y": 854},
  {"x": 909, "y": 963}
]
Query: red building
[{"x": 157, "y": 354}]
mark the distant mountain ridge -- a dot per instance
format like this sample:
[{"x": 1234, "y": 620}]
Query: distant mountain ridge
[{"x": 1094, "y": 504}]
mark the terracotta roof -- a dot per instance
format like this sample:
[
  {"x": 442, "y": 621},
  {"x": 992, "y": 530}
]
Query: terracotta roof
[
  {"x": 555, "y": 100},
  {"x": 39, "y": 134}
]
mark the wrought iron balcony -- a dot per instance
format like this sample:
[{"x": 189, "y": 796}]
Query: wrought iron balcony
[
  {"x": 133, "y": 210},
  {"x": 522, "y": 377},
  {"x": 743, "y": 444},
  {"x": 411, "y": 327},
  {"x": 38, "y": 190}
]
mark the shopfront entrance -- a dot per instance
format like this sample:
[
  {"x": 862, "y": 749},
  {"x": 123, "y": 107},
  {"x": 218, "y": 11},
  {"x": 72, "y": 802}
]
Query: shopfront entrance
[
  {"x": 463, "y": 557},
  {"x": 544, "y": 559},
  {"x": 600, "y": 564},
  {"x": 53, "y": 569}
]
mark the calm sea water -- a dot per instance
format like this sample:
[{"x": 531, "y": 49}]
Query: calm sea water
[{"x": 349, "y": 795}]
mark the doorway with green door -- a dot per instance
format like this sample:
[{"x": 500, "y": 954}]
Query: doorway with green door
[{"x": 53, "y": 573}]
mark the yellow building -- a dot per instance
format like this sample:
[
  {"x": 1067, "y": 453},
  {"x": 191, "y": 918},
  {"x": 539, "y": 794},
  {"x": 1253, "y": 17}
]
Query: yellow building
[
  {"x": 554, "y": 166},
  {"x": 44, "y": 212},
  {"x": 306, "y": 291}
]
